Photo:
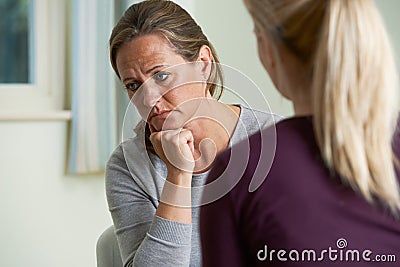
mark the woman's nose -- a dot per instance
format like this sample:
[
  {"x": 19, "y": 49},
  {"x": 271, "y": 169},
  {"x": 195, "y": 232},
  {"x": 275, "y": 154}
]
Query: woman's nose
[
  {"x": 146, "y": 98},
  {"x": 151, "y": 95}
]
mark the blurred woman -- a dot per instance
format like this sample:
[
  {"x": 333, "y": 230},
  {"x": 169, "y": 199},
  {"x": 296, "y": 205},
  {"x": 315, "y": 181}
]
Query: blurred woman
[{"x": 332, "y": 194}]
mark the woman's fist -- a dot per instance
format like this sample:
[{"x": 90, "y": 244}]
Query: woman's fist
[{"x": 175, "y": 148}]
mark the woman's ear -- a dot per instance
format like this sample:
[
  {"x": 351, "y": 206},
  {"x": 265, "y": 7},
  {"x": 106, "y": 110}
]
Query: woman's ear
[
  {"x": 205, "y": 59},
  {"x": 266, "y": 51}
]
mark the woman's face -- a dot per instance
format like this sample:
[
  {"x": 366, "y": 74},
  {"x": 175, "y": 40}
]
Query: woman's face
[{"x": 160, "y": 82}]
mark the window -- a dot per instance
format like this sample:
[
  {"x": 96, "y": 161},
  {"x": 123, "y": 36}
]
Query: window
[
  {"x": 16, "y": 44},
  {"x": 33, "y": 53}
]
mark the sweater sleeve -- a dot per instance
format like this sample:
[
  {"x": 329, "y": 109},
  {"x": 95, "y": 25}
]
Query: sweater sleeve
[{"x": 144, "y": 238}]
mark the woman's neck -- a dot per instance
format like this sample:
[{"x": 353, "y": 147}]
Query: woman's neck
[
  {"x": 213, "y": 133},
  {"x": 302, "y": 108},
  {"x": 300, "y": 95}
]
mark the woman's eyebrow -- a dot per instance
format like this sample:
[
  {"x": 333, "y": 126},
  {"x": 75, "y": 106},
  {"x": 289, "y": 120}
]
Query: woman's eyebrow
[
  {"x": 147, "y": 72},
  {"x": 128, "y": 79},
  {"x": 156, "y": 67}
]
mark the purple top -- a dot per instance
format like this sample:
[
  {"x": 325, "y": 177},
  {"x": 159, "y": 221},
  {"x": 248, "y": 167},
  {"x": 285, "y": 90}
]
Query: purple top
[{"x": 301, "y": 215}]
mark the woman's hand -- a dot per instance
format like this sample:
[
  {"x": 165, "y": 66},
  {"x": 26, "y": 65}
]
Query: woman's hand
[{"x": 176, "y": 149}]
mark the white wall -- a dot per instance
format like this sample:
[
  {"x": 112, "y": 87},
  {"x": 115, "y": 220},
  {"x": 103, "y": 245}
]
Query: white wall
[
  {"x": 230, "y": 29},
  {"x": 390, "y": 11},
  {"x": 49, "y": 219}
]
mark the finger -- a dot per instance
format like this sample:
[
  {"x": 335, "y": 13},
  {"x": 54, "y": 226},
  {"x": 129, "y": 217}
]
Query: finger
[
  {"x": 155, "y": 136},
  {"x": 186, "y": 137}
]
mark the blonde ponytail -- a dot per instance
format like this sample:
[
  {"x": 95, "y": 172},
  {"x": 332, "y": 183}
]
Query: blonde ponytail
[
  {"x": 354, "y": 99},
  {"x": 344, "y": 44}
]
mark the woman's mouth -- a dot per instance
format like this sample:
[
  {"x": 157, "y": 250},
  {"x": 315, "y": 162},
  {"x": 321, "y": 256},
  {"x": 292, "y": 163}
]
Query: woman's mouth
[
  {"x": 157, "y": 119},
  {"x": 160, "y": 115}
]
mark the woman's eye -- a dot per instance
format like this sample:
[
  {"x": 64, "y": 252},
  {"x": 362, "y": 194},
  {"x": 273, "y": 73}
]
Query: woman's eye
[
  {"x": 161, "y": 76},
  {"x": 131, "y": 86}
]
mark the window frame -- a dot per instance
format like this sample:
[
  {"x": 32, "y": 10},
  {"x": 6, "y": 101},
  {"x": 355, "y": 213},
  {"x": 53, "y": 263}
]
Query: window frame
[{"x": 47, "y": 90}]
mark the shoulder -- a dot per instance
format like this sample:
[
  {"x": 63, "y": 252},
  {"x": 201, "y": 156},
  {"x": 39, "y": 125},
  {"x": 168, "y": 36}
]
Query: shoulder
[
  {"x": 252, "y": 121},
  {"x": 261, "y": 118},
  {"x": 129, "y": 158},
  {"x": 286, "y": 133},
  {"x": 291, "y": 140},
  {"x": 126, "y": 149},
  {"x": 296, "y": 136},
  {"x": 117, "y": 164},
  {"x": 131, "y": 166},
  {"x": 130, "y": 147},
  {"x": 117, "y": 156},
  {"x": 280, "y": 153},
  {"x": 284, "y": 155}
]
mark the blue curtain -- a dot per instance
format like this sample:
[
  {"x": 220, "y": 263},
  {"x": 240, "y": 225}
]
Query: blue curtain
[
  {"x": 98, "y": 105},
  {"x": 93, "y": 133}
]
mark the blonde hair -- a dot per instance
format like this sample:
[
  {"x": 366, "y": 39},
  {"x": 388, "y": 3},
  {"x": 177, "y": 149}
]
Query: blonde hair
[
  {"x": 354, "y": 91},
  {"x": 176, "y": 25}
]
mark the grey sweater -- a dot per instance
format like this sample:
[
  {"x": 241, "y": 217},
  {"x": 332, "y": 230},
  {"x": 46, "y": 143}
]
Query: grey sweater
[{"x": 134, "y": 182}]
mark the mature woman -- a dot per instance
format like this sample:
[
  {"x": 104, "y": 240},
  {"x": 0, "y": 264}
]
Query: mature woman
[
  {"x": 154, "y": 180},
  {"x": 331, "y": 197}
]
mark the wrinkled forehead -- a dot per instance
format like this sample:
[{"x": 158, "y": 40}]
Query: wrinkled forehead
[{"x": 144, "y": 52}]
